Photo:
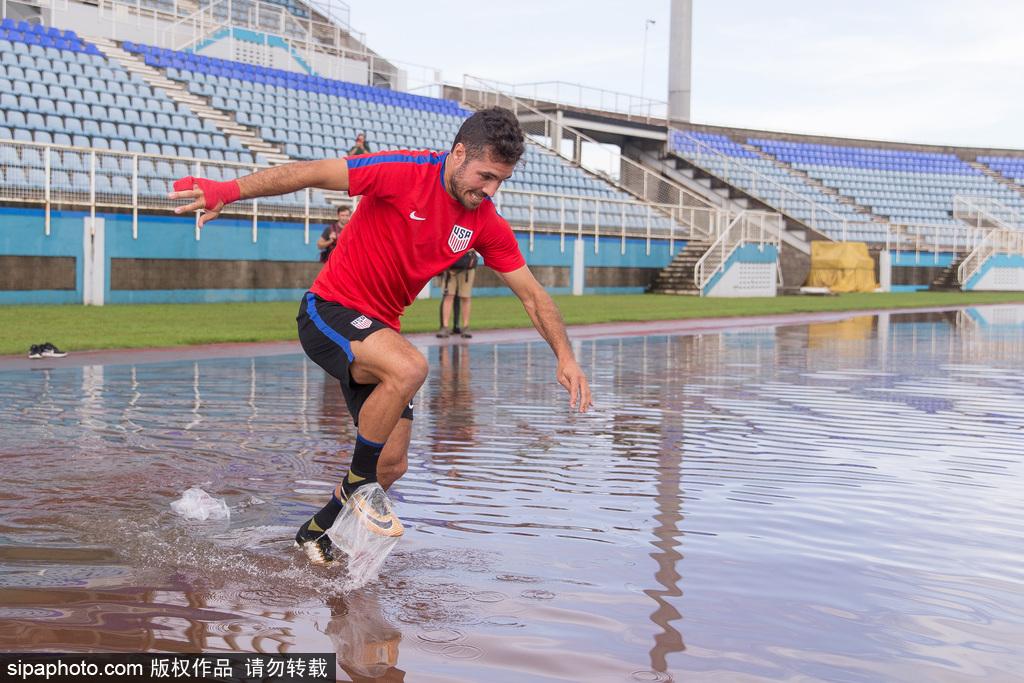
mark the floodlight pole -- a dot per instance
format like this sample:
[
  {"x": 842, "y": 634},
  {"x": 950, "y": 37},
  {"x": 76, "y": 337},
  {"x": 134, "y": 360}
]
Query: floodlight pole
[{"x": 643, "y": 68}]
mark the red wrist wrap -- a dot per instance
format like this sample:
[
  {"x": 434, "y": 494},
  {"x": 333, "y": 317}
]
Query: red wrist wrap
[{"x": 214, "y": 192}]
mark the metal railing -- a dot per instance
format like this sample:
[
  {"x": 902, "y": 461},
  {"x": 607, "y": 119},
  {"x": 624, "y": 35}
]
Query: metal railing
[
  {"x": 330, "y": 50},
  {"x": 576, "y": 216},
  {"x": 52, "y": 5},
  {"x": 928, "y": 238},
  {"x": 57, "y": 176},
  {"x": 747, "y": 227},
  {"x": 998, "y": 241},
  {"x": 547, "y": 131},
  {"x": 814, "y": 213},
  {"x": 631, "y": 107},
  {"x": 986, "y": 212}
]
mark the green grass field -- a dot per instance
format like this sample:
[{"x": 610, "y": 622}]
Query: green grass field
[{"x": 77, "y": 328}]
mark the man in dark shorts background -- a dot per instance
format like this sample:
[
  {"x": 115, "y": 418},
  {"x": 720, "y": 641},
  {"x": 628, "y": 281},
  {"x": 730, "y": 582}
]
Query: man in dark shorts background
[{"x": 419, "y": 212}]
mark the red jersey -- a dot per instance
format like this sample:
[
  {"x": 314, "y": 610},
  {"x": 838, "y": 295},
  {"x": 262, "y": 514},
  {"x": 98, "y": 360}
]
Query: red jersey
[{"x": 406, "y": 230}]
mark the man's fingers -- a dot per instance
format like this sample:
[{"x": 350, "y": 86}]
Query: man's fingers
[
  {"x": 208, "y": 216},
  {"x": 194, "y": 206},
  {"x": 585, "y": 396},
  {"x": 574, "y": 389},
  {"x": 185, "y": 194}
]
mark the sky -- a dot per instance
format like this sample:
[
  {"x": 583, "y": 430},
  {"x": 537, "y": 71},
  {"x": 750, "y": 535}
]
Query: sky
[{"x": 943, "y": 72}]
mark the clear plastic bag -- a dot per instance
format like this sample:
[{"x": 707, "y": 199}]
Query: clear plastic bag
[
  {"x": 366, "y": 531},
  {"x": 196, "y": 503}
]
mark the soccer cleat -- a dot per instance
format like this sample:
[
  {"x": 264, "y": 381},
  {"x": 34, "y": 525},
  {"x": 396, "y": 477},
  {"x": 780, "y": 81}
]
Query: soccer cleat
[
  {"x": 315, "y": 542},
  {"x": 466, "y": 334},
  {"x": 443, "y": 333},
  {"x": 375, "y": 512},
  {"x": 366, "y": 531},
  {"x": 48, "y": 350},
  {"x": 35, "y": 351}
]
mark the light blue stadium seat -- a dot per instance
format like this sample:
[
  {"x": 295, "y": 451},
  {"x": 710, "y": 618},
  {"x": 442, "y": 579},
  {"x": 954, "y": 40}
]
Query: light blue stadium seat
[{"x": 15, "y": 177}]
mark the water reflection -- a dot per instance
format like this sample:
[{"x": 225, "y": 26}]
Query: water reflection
[{"x": 827, "y": 501}]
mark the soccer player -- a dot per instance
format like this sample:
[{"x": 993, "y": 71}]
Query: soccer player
[{"x": 419, "y": 212}]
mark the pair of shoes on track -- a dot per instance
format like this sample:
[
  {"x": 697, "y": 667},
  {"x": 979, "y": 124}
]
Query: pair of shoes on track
[
  {"x": 45, "y": 350},
  {"x": 373, "y": 511},
  {"x": 444, "y": 333}
]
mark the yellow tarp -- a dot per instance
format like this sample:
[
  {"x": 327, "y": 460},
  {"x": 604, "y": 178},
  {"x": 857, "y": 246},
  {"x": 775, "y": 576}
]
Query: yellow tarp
[
  {"x": 842, "y": 267},
  {"x": 826, "y": 335}
]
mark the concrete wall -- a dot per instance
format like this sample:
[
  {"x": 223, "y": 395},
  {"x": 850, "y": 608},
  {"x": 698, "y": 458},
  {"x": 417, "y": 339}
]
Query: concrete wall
[{"x": 165, "y": 263}]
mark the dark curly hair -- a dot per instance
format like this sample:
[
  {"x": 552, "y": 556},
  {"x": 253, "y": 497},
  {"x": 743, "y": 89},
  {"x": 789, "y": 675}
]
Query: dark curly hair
[{"x": 496, "y": 129}]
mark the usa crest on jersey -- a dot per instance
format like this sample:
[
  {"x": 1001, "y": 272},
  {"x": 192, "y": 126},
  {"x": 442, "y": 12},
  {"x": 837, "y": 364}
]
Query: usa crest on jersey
[{"x": 459, "y": 239}]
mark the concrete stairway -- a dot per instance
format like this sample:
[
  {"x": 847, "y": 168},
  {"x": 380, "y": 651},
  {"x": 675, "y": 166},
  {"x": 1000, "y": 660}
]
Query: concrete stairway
[
  {"x": 946, "y": 280},
  {"x": 996, "y": 176},
  {"x": 677, "y": 277},
  {"x": 198, "y": 105}
]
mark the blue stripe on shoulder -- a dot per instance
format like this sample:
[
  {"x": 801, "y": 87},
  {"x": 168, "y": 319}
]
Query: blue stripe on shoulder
[
  {"x": 362, "y": 161},
  {"x": 327, "y": 330}
]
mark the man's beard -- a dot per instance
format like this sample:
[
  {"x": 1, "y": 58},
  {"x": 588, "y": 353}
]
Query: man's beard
[{"x": 459, "y": 191}]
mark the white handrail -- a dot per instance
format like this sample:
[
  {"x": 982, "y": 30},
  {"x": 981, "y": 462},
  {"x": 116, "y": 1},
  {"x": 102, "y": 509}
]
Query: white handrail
[
  {"x": 588, "y": 97},
  {"x": 759, "y": 227},
  {"x": 760, "y": 180},
  {"x": 566, "y": 212},
  {"x": 634, "y": 178},
  {"x": 998, "y": 241},
  {"x": 308, "y": 36},
  {"x": 975, "y": 210}
]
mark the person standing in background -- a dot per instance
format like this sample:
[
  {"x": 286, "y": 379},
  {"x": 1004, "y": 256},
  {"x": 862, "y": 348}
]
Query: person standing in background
[
  {"x": 329, "y": 237},
  {"x": 457, "y": 281}
]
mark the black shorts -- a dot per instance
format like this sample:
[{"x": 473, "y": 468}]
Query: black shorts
[{"x": 325, "y": 330}]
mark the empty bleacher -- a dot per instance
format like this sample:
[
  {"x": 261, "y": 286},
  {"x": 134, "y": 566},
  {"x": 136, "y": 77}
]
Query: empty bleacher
[
  {"x": 781, "y": 189},
  {"x": 56, "y": 89},
  {"x": 311, "y": 117},
  {"x": 906, "y": 186},
  {"x": 910, "y": 188}
]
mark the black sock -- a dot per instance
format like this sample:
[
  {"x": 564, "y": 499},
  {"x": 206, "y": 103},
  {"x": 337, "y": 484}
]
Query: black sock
[
  {"x": 323, "y": 519},
  {"x": 362, "y": 471},
  {"x": 364, "y": 465}
]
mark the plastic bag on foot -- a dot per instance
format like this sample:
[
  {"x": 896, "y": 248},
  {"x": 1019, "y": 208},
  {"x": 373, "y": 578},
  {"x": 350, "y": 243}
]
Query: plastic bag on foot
[
  {"x": 196, "y": 503},
  {"x": 366, "y": 531}
]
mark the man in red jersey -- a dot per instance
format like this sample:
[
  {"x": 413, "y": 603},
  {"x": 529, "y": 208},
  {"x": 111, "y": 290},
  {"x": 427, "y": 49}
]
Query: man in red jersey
[{"x": 419, "y": 212}]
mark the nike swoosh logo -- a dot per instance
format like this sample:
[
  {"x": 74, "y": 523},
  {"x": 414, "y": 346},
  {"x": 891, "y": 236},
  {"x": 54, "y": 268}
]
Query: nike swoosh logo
[{"x": 412, "y": 215}]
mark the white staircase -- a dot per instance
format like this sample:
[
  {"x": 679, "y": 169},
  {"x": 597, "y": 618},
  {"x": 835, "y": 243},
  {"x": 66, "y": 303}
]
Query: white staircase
[{"x": 224, "y": 122}]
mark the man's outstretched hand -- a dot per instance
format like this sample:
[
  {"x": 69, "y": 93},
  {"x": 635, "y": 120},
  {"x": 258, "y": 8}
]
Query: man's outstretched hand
[
  {"x": 207, "y": 195},
  {"x": 575, "y": 382}
]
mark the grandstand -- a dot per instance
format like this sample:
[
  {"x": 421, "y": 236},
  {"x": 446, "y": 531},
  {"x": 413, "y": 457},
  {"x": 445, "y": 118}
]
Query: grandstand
[{"x": 103, "y": 120}]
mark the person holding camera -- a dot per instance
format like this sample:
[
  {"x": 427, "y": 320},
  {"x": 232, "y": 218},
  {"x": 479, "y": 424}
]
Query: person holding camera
[{"x": 329, "y": 237}]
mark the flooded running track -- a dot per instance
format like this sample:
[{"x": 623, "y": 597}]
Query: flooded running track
[{"x": 831, "y": 501}]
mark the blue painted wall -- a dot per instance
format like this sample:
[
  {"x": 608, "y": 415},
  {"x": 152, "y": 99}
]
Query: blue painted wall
[
  {"x": 994, "y": 261},
  {"x": 172, "y": 237},
  {"x": 747, "y": 253},
  {"x": 921, "y": 258},
  {"x": 22, "y": 233},
  {"x": 548, "y": 251}
]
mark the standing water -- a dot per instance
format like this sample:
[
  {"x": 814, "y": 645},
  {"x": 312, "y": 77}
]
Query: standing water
[{"x": 830, "y": 501}]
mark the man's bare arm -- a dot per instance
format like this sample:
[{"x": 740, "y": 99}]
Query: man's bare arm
[
  {"x": 548, "y": 320},
  {"x": 326, "y": 174}
]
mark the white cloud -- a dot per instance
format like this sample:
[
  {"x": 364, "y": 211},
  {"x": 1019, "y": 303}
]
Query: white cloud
[{"x": 945, "y": 72}]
